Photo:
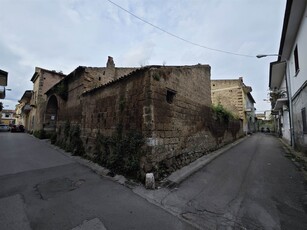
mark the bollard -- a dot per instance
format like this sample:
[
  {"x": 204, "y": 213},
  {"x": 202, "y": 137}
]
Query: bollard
[{"x": 150, "y": 181}]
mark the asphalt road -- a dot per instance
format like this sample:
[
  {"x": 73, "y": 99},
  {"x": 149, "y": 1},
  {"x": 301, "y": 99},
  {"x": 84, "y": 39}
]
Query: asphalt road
[
  {"x": 251, "y": 186},
  {"x": 42, "y": 188}
]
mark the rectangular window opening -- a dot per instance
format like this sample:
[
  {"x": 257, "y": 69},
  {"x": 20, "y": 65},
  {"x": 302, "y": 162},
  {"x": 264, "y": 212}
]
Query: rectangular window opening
[
  {"x": 296, "y": 62},
  {"x": 170, "y": 94}
]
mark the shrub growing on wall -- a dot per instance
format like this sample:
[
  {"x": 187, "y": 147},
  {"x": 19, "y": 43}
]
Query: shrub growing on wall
[
  {"x": 120, "y": 153},
  {"x": 70, "y": 140},
  {"x": 223, "y": 120},
  {"x": 40, "y": 134},
  {"x": 219, "y": 113}
]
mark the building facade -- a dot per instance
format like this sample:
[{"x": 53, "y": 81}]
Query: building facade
[
  {"x": 23, "y": 110},
  {"x": 8, "y": 117},
  {"x": 42, "y": 80},
  {"x": 288, "y": 76},
  {"x": 64, "y": 98},
  {"x": 169, "y": 105},
  {"x": 236, "y": 97}
]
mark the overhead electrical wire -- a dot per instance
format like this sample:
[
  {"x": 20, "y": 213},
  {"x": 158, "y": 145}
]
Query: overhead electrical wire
[{"x": 176, "y": 36}]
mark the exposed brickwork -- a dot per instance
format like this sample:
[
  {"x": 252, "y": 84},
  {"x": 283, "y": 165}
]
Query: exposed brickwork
[
  {"x": 230, "y": 94},
  {"x": 81, "y": 80},
  {"x": 120, "y": 103},
  {"x": 169, "y": 105},
  {"x": 42, "y": 80},
  {"x": 181, "y": 129},
  {"x": 235, "y": 96}
]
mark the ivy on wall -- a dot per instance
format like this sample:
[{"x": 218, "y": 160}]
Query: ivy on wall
[
  {"x": 62, "y": 90},
  {"x": 223, "y": 120},
  {"x": 120, "y": 152},
  {"x": 219, "y": 113},
  {"x": 70, "y": 139}
]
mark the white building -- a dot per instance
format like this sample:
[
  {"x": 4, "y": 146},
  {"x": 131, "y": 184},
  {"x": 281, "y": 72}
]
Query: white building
[
  {"x": 7, "y": 117},
  {"x": 288, "y": 76}
]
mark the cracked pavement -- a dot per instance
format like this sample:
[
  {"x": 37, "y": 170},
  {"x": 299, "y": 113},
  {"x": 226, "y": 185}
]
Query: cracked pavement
[
  {"x": 250, "y": 186},
  {"x": 43, "y": 188},
  {"x": 253, "y": 185}
]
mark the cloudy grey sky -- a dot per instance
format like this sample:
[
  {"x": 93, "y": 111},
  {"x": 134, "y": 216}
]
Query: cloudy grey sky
[{"x": 64, "y": 34}]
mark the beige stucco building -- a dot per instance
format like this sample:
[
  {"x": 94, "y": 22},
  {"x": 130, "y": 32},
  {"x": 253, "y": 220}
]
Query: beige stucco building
[
  {"x": 42, "y": 80},
  {"x": 23, "y": 109},
  {"x": 8, "y": 117},
  {"x": 236, "y": 97}
]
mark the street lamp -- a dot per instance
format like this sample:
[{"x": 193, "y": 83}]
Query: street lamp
[
  {"x": 288, "y": 87},
  {"x": 266, "y": 55}
]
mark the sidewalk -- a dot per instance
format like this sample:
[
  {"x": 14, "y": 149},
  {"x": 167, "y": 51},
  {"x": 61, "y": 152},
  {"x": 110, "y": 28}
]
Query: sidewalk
[
  {"x": 161, "y": 195},
  {"x": 298, "y": 158},
  {"x": 300, "y": 161},
  {"x": 180, "y": 175},
  {"x": 171, "y": 183}
]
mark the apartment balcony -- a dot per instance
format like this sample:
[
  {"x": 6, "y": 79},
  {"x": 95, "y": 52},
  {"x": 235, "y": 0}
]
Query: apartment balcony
[{"x": 280, "y": 103}]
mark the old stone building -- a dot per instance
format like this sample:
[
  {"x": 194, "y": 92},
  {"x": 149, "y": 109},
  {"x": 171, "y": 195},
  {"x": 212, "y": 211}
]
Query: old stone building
[
  {"x": 64, "y": 99},
  {"x": 42, "y": 80},
  {"x": 23, "y": 109},
  {"x": 169, "y": 105},
  {"x": 236, "y": 97}
]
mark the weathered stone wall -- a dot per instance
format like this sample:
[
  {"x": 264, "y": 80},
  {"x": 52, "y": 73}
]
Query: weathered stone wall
[
  {"x": 235, "y": 96},
  {"x": 44, "y": 81},
  {"x": 81, "y": 80},
  {"x": 120, "y": 103},
  {"x": 228, "y": 93},
  {"x": 170, "y": 106},
  {"x": 180, "y": 117},
  {"x": 70, "y": 106},
  {"x": 97, "y": 76}
]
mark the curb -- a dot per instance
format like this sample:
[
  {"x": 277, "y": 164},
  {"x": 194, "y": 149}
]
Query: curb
[
  {"x": 302, "y": 168},
  {"x": 174, "y": 179},
  {"x": 96, "y": 168},
  {"x": 296, "y": 155},
  {"x": 180, "y": 175}
]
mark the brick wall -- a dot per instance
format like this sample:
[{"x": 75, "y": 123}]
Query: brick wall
[
  {"x": 229, "y": 93},
  {"x": 181, "y": 126},
  {"x": 169, "y": 105},
  {"x": 119, "y": 103},
  {"x": 83, "y": 79},
  {"x": 45, "y": 80}
]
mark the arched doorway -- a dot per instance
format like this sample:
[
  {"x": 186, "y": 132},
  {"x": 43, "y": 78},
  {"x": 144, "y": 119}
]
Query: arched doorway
[{"x": 51, "y": 114}]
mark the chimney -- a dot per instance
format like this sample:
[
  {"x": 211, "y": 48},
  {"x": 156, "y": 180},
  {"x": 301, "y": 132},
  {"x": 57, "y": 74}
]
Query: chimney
[{"x": 110, "y": 63}]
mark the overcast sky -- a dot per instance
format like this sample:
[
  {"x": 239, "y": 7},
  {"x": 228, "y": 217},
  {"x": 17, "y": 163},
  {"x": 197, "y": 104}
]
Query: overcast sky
[{"x": 64, "y": 34}]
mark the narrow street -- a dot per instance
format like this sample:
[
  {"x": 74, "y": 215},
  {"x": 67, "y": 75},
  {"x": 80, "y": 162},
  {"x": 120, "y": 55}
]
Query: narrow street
[
  {"x": 41, "y": 188},
  {"x": 251, "y": 186}
]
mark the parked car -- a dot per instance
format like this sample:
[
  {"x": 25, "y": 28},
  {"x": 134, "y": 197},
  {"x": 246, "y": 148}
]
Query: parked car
[
  {"x": 4, "y": 128},
  {"x": 17, "y": 128}
]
